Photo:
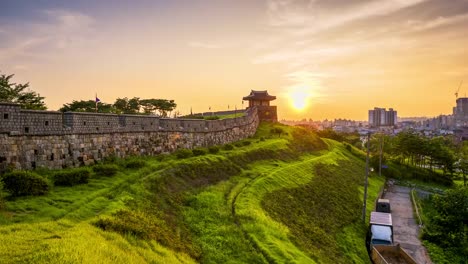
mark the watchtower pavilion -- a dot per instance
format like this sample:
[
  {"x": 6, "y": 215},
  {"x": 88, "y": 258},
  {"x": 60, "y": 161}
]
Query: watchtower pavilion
[{"x": 261, "y": 100}]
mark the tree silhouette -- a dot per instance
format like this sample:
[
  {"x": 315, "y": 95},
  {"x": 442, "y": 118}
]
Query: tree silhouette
[{"x": 16, "y": 93}]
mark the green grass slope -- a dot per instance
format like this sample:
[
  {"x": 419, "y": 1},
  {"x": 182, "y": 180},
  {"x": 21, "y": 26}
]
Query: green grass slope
[
  {"x": 224, "y": 207},
  {"x": 309, "y": 211}
]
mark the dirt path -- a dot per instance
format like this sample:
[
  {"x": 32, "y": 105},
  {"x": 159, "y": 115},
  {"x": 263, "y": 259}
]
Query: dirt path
[{"x": 405, "y": 227}]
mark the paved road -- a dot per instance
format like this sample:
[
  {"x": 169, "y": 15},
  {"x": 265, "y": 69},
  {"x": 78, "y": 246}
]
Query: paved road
[{"x": 405, "y": 227}]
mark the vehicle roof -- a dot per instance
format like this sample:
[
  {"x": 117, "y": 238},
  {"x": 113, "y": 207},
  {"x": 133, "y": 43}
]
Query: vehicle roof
[
  {"x": 381, "y": 233},
  {"x": 383, "y": 201},
  {"x": 381, "y": 218}
]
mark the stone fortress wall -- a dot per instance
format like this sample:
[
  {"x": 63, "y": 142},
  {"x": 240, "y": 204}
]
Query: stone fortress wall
[{"x": 31, "y": 139}]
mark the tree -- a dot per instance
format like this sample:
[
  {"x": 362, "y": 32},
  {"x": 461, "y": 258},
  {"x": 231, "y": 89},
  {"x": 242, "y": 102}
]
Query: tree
[
  {"x": 448, "y": 225},
  {"x": 277, "y": 130},
  {"x": 15, "y": 93},
  {"x": 127, "y": 106},
  {"x": 163, "y": 106},
  {"x": 87, "y": 106},
  {"x": 462, "y": 164}
]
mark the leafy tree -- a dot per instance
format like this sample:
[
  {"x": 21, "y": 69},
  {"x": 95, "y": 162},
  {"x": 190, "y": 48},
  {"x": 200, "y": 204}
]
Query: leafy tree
[
  {"x": 162, "y": 106},
  {"x": 331, "y": 134},
  {"x": 87, "y": 106},
  {"x": 15, "y": 93},
  {"x": 127, "y": 106},
  {"x": 462, "y": 164},
  {"x": 463, "y": 167},
  {"x": 448, "y": 225},
  {"x": 277, "y": 130}
]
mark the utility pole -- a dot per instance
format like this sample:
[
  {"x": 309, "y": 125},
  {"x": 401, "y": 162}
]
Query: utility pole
[
  {"x": 380, "y": 156},
  {"x": 365, "y": 182}
]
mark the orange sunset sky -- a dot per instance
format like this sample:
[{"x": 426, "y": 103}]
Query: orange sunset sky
[{"x": 321, "y": 58}]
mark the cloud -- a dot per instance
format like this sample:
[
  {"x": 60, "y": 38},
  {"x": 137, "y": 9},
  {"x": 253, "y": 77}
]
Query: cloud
[
  {"x": 309, "y": 18},
  {"x": 22, "y": 48},
  {"x": 203, "y": 45},
  {"x": 69, "y": 20},
  {"x": 57, "y": 29},
  {"x": 417, "y": 25},
  {"x": 291, "y": 54}
]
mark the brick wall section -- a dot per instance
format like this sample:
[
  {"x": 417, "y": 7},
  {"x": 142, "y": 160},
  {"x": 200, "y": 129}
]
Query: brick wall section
[{"x": 58, "y": 140}]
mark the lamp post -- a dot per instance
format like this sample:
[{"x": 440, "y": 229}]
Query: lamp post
[
  {"x": 366, "y": 181},
  {"x": 380, "y": 155}
]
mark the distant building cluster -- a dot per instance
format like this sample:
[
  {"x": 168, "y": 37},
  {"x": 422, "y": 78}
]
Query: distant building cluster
[
  {"x": 380, "y": 117},
  {"x": 387, "y": 121}
]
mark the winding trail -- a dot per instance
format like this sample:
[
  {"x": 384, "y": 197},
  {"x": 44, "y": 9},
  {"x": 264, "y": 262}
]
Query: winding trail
[{"x": 405, "y": 227}]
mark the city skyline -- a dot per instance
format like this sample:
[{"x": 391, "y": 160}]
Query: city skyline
[{"x": 332, "y": 59}]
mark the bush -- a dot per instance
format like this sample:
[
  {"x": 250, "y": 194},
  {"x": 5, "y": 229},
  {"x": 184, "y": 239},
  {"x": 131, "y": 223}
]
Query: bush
[
  {"x": 110, "y": 159},
  {"x": 106, "y": 170},
  {"x": 142, "y": 225},
  {"x": 228, "y": 147},
  {"x": 183, "y": 153},
  {"x": 2, "y": 201},
  {"x": 212, "y": 118},
  {"x": 21, "y": 183},
  {"x": 127, "y": 222},
  {"x": 72, "y": 177},
  {"x": 134, "y": 164},
  {"x": 213, "y": 149},
  {"x": 391, "y": 172},
  {"x": 277, "y": 130},
  {"x": 348, "y": 147},
  {"x": 198, "y": 152},
  {"x": 246, "y": 143}
]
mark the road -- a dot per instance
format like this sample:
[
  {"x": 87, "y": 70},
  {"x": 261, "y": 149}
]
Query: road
[{"x": 405, "y": 227}]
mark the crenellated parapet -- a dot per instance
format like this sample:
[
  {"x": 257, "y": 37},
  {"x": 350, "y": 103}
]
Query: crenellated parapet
[
  {"x": 16, "y": 121},
  {"x": 31, "y": 139}
]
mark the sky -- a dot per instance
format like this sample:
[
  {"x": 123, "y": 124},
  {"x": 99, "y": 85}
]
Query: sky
[{"x": 323, "y": 59}]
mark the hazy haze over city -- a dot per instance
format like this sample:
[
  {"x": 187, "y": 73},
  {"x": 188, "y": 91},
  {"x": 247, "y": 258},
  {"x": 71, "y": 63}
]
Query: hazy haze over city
[{"x": 322, "y": 59}]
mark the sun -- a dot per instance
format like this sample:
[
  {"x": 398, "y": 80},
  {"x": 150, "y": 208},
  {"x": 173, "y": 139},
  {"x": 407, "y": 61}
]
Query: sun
[{"x": 299, "y": 99}]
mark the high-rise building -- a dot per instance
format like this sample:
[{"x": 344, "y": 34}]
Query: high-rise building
[
  {"x": 460, "y": 112},
  {"x": 381, "y": 117}
]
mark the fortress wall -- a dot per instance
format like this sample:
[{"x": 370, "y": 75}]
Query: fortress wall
[
  {"x": 90, "y": 123},
  {"x": 75, "y": 139}
]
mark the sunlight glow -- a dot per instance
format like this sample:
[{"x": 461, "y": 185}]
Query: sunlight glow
[{"x": 299, "y": 98}]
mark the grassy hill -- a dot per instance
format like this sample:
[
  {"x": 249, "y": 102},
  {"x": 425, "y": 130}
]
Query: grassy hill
[{"x": 279, "y": 197}]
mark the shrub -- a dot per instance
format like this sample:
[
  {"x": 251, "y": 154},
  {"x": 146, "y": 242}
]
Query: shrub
[
  {"x": 198, "y": 152},
  {"x": 21, "y": 183},
  {"x": 183, "y": 153},
  {"x": 134, "y": 164},
  {"x": 127, "y": 222},
  {"x": 2, "y": 201},
  {"x": 72, "y": 177},
  {"x": 262, "y": 139},
  {"x": 277, "y": 130},
  {"x": 246, "y": 143},
  {"x": 228, "y": 147},
  {"x": 391, "y": 172},
  {"x": 213, "y": 149},
  {"x": 140, "y": 224},
  {"x": 212, "y": 117},
  {"x": 238, "y": 144},
  {"x": 106, "y": 170},
  {"x": 110, "y": 159},
  {"x": 348, "y": 147}
]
